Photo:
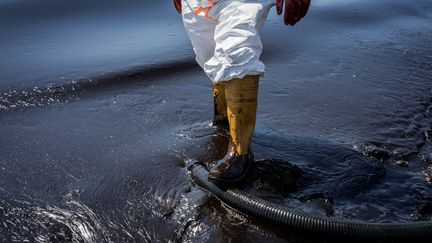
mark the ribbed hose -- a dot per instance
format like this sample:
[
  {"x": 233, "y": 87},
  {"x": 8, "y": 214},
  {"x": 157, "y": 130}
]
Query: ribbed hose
[{"x": 251, "y": 205}]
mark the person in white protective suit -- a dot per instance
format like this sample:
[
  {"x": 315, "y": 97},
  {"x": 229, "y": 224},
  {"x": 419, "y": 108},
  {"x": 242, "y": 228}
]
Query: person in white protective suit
[{"x": 226, "y": 41}]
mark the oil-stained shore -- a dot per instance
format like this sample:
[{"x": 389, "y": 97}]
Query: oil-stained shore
[{"x": 101, "y": 104}]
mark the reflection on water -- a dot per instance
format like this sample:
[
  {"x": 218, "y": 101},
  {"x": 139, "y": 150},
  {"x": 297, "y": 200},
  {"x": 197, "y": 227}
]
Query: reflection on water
[{"x": 97, "y": 120}]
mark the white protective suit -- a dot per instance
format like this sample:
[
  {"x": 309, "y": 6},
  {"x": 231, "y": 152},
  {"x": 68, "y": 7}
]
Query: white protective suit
[{"x": 225, "y": 35}]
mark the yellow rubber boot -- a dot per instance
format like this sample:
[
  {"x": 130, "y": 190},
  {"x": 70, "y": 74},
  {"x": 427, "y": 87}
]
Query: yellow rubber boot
[
  {"x": 241, "y": 96},
  {"x": 220, "y": 106}
]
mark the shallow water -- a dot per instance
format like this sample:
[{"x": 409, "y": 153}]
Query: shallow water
[{"x": 101, "y": 104}]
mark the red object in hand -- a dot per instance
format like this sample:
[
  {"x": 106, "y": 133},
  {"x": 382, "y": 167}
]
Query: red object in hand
[
  {"x": 294, "y": 10},
  {"x": 178, "y": 5}
]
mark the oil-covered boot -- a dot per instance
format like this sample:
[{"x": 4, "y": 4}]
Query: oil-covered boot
[
  {"x": 241, "y": 97},
  {"x": 220, "y": 106},
  {"x": 232, "y": 168}
]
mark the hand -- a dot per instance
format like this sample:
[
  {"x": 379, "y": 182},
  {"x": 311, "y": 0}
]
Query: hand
[
  {"x": 178, "y": 5},
  {"x": 294, "y": 10}
]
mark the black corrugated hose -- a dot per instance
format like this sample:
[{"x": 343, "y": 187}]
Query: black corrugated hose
[{"x": 254, "y": 206}]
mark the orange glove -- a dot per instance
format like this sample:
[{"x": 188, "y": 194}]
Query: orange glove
[
  {"x": 294, "y": 10},
  {"x": 178, "y": 5}
]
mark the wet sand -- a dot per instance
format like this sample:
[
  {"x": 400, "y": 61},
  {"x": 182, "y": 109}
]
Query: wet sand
[{"x": 97, "y": 120}]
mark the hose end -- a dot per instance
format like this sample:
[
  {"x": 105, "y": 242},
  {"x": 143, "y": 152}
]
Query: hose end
[{"x": 192, "y": 163}]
